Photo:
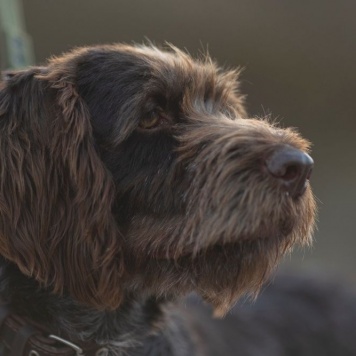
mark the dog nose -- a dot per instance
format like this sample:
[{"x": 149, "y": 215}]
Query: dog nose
[{"x": 292, "y": 168}]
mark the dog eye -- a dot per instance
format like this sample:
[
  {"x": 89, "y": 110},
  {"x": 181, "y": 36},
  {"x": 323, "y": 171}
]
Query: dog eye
[{"x": 151, "y": 121}]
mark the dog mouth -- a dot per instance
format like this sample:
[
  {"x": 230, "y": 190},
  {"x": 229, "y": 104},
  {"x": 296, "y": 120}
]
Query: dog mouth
[
  {"x": 216, "y": 233},
  {"x": 193, "y": 253},
  {"x": 220, "y": 247}
]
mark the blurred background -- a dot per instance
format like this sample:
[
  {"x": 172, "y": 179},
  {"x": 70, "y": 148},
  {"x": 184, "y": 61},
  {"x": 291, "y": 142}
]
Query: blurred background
[{"x": 300, "y": 60}]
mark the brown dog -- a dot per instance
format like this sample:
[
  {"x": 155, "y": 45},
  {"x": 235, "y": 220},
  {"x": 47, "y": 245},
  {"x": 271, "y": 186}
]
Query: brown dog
[{"x": 131, "y": 176}]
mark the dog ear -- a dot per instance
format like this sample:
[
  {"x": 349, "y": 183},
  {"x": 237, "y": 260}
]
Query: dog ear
[{"x": 56, "y": 196}]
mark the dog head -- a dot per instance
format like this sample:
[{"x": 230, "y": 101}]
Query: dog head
[{"x": 135, "y": 170}]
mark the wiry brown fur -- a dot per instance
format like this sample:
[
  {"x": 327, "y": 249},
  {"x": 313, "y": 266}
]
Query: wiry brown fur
[
  {"x": 81, "y": 220},
  {"x": 55, "y": 193}
]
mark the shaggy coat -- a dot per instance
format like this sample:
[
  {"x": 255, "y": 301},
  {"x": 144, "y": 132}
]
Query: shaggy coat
[{"x": 131, "y": 176}]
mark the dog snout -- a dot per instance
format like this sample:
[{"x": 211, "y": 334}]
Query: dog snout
[{"x": 292, "y": 168}]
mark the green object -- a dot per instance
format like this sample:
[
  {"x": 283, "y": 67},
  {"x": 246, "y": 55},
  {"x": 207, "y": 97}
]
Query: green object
[{"x": 16, "y": 50}]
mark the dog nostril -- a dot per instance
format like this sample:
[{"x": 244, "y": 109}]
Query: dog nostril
[{"x": 292, "y": 168}]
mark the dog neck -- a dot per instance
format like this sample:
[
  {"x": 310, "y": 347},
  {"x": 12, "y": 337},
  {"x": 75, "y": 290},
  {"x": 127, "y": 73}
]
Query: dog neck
[{"x": 132, "y": 329}]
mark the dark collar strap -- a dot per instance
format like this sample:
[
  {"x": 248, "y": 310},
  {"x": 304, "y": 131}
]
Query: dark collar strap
[{"x": 19, "y": 338}]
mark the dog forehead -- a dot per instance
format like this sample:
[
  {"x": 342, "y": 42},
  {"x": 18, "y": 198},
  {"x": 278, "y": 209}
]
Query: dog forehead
[
  {"x": 176, "y": 67},
  {"x": 170, "y": 72}
]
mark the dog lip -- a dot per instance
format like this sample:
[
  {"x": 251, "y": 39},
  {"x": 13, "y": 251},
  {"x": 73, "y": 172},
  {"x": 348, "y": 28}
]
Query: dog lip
[{"x": 193, "y": 253}]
